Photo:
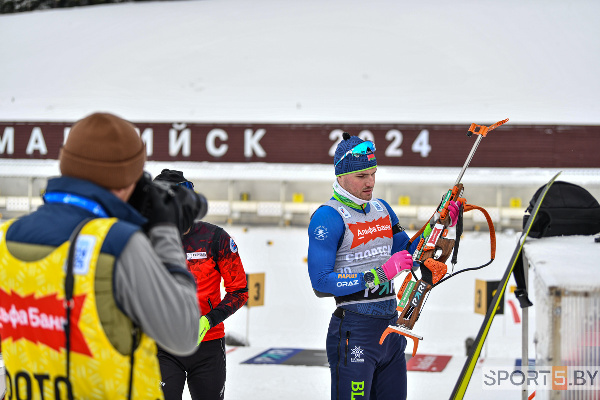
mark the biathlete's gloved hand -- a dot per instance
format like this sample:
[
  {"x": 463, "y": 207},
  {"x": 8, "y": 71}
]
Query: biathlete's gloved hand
[
  {"x": 397, "y": 263},
  {"x": 453, "y": 210},
  {"x": 204, "y": 327}
]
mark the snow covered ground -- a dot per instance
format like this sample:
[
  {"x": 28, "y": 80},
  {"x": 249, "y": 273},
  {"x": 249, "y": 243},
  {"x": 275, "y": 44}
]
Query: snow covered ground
[
  {"x": 306, "y": 61},
  {"x": 317, "y": 61},
  {"x": 293, "y": 317}
]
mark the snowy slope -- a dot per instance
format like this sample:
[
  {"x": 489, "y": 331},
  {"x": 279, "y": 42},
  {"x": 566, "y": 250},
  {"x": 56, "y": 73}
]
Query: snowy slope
[{"x": 306, "y": 61}]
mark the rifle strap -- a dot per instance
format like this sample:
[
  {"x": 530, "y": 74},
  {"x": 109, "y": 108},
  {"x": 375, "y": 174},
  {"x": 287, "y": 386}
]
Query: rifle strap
[
  {"x": 397, "y": 228},
  {"x": 469, "y": 207},
  {"x": 459, "y": 232}
]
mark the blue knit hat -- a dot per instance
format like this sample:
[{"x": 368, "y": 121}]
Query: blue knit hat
[{"x": 351, "y": 163}]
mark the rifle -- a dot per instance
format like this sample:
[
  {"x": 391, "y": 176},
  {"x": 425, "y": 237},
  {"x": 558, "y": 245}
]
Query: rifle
[{"x": 435, "y": 247}]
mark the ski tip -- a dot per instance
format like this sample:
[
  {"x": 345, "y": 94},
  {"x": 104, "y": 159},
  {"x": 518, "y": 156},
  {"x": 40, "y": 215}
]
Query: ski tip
[{"x": 556, "y": 176}]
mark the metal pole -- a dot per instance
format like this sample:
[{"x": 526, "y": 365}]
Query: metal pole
[
  {"x": 248, "y": 327},
  {"x": 230, "y": 190},
  {"x": 282, "y": 192},
  {"x": 525, "y": 334},
  {"x": 30, "y": 194}
]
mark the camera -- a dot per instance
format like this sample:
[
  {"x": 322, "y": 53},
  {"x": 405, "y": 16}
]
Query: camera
[{"x": 174, "y": 203}]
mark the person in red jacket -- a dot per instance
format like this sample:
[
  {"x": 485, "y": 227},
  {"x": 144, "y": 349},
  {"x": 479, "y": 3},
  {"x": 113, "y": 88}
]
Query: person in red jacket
[{"x": 212, "y": 256}]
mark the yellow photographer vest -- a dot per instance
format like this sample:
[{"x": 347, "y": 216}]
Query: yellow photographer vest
[{"x": 32, "y": 317}]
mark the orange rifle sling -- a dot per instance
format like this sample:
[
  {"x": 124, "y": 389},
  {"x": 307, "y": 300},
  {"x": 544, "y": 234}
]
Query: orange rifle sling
[{"x": 469, "y": 207}]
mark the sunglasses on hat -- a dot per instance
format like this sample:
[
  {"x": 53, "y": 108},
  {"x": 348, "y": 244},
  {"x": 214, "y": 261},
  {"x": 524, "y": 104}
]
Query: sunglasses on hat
[{"x": 359, "y": 150}]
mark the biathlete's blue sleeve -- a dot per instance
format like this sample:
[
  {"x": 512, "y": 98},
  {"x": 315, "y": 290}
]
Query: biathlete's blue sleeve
[
  {"x": 401, "y": 238},
  {"x": 324, "y": 233}
]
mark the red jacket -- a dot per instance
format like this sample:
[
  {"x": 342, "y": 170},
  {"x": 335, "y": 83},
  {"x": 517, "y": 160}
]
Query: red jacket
[{"x": 212, "y": 255}]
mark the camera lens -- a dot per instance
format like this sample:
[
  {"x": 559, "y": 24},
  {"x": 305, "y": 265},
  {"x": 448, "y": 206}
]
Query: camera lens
[{"x": 202, "y": 205}]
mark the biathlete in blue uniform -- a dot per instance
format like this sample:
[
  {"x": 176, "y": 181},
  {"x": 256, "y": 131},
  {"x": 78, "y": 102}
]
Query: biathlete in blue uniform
[{"x": 356, "y": 249}]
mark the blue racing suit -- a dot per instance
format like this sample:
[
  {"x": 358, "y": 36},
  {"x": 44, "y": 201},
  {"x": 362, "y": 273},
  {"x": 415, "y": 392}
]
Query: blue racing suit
[{"x": 345, "y": 241}]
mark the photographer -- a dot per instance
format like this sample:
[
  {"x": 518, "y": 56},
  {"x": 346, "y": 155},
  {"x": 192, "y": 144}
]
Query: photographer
[{"x": 127, "y": 275}]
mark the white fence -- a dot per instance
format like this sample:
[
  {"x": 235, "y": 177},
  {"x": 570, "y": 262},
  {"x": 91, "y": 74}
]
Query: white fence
[{"x": 288, "y": 194}]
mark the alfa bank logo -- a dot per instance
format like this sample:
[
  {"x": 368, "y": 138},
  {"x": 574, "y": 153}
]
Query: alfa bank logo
[
  {"x": 364, "y": 232},
  {"x": 41, "y": 320}
]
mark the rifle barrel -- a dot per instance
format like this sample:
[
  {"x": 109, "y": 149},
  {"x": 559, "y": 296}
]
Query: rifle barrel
[{"x": 469, "y": 158}]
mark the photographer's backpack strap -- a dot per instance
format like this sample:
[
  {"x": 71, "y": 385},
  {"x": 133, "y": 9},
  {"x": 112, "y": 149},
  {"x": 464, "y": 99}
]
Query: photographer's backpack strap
[{"x": 68, "y": 302}]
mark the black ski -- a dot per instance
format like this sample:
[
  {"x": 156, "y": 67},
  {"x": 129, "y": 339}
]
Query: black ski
[{"x": 465, "y": 376}]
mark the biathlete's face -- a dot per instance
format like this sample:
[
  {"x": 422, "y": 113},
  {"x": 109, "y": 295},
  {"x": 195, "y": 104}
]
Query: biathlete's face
[{"x": 360, "y": 184}]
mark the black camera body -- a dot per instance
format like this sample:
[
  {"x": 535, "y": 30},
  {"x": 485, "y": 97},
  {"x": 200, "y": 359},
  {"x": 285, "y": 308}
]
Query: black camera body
[{"x": 165, "y": 202}]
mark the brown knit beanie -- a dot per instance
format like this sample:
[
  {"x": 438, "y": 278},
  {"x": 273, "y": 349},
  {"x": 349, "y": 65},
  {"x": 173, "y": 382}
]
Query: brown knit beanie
[{"x": 104, "y": 149}]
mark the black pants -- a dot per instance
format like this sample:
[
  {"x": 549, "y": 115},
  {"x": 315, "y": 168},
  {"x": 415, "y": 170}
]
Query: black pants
[{"x": 204, "y": 370}]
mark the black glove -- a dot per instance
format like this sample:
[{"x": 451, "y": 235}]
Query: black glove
[{"x": 163, "y": 208}]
